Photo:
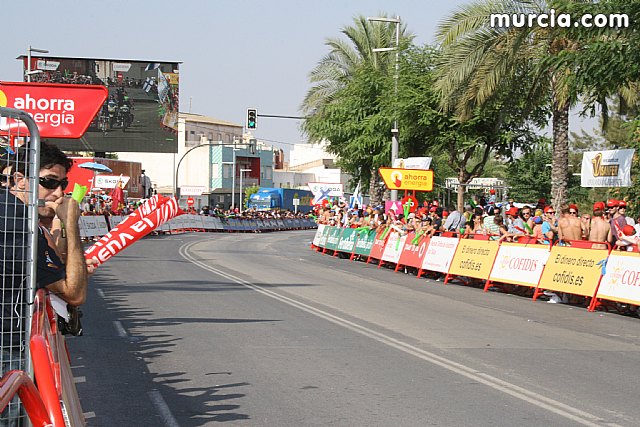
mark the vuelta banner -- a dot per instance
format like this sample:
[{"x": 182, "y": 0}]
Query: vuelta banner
[
  {"x": 474, "y": 258},
  {"x": 393, "y": 249},
  {"x": 606, "y": 168},
  {"x": 519, "y": 264},
  {"x": 573, "y": 270},
  {"x": 347, "y": 241},
  {"x": 59, "y": 110},
  {"x": 378, "y": 247},
  {"x": 137, "y": 225},
  {"x": 440, "y": 254},
  {"x": 622, "y": 279},
  {"x": 364, "y": 243}
]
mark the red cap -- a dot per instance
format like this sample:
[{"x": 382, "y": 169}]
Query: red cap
[
  {"x": 612, "y": 203},
  {"x": 628, "y": 230},
  {"x": 598, "y": 206},
  {"x": 622, "y": 204},
  {"x": 433, "y": 209},
  {"x": 445, "y": 213},
  {"x": 547, "y": 208},
  {"x": 435, "y": 203},
  {"x": 512, "y": 211},
  {"x": 492, "y": 191},
  {"x": 574, "y": 207}
]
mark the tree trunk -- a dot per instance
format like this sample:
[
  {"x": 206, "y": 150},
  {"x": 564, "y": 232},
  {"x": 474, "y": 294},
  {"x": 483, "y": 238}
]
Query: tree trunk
[
  {"x": 375, "y": 191},
  {"x": 560, "y": 161},
  {"x": 462, "y": 177}
]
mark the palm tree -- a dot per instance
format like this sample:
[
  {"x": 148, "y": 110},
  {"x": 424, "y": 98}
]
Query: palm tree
[
  {"x": 480, "y": 60},
  {"x": 335, "y": 70}
]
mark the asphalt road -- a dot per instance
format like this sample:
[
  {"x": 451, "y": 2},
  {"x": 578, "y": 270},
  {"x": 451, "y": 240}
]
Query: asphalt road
[{"x": 259, "y": 330}]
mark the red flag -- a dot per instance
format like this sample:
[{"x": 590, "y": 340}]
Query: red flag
[
  {"x": 144, "y": 220},
  {"x": 117, "y": 198}
]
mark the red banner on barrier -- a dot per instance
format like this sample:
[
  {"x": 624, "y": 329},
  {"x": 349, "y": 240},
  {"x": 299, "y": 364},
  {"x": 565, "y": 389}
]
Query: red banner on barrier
[
  {"x": 413, "y": 254},
  {"x": 137, "y": 225},
  {"x": 378, "y": 247}
]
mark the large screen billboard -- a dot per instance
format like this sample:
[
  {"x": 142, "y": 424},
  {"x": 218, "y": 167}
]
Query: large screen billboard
[{"x": 141, "y": 111}]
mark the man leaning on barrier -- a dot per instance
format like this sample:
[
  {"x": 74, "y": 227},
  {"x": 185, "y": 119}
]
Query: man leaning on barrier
[{"x": 66, "y": 280}]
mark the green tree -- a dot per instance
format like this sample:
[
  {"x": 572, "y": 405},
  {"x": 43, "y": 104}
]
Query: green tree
[
  {"x": 529, "y": 176},
  {"x": 342, "y": 105},
  {"x": 480, "y": 61}
]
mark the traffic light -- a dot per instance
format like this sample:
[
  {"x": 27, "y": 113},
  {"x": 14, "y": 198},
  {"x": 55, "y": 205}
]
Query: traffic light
[
  {"x": 252, "y": 145},
  {"x": 252, "y": 118}
]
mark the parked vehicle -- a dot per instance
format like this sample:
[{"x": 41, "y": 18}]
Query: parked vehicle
[{"x": 281, "y": 198}]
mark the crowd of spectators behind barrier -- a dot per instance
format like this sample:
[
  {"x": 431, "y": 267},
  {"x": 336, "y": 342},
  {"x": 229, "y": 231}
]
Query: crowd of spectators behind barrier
[{"x": 605, "y": 223}]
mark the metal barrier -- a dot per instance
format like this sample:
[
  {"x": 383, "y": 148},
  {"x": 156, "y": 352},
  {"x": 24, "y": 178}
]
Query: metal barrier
[
  {"x": 18, "y": 382},
  {"x": 19, "y": 152}
]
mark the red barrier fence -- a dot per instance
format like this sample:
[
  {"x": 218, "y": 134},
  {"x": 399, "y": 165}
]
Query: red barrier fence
[{"x": 18, "y": 382}]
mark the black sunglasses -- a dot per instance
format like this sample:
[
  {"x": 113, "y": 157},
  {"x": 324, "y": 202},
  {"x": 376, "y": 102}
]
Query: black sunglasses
[{"x": 52, "y": 183}]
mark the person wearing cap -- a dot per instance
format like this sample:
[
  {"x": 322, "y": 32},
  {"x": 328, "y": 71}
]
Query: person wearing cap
[
  {"x": 599, "y": 229},
  {"x": 492, "y": 196},
  {"x": 628, "y": 238},
  {"x": 569, "y": 225},
  {"x": 617, "y": 220},
  {"x": 514, "y": 223},
  {"x": 622, "y": 210}
]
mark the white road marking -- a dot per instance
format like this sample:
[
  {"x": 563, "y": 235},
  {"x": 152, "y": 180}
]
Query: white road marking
[
  {"x": 101, "y": 293},
  {"x": 88, "y": 415},
  {"x": 165, "y": 413},
  {"x": 79, "y": 380},
  {"x": 506, "y": 387},
  {"x": 120, "y": 329}
]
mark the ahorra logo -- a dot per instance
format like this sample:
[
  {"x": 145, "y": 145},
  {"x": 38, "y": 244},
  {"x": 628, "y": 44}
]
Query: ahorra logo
[{"x": 51, "y": 111}]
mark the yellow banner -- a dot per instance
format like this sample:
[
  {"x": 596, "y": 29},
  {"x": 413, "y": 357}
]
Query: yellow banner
[
  {"x": 573, "y": 270},
  {"x": 474, "y": 258},
  {"x": 407, "y": 179}
]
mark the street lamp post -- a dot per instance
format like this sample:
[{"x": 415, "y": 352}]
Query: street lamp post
[
  {"x": 242, "y": 171},
  {"x": 29, "y": 50},
  {"x": 394, "y": 130}
]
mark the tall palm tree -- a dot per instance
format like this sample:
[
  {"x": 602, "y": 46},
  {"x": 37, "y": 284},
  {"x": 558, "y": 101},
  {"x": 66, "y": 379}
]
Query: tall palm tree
[
  {"x": 479, "y": 60},
  {"x": 345, "y": 58}
]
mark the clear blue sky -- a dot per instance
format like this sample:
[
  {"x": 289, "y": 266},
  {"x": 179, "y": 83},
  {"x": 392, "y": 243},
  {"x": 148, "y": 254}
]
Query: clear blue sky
[{"x": 235, "y": 53}]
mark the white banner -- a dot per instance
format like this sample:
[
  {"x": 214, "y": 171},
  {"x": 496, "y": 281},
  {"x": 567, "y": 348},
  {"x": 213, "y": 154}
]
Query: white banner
[
  {"x": 622, "y": 279},
  {"x": 192, "y": 190},
  {"x": 121, "y": 66},
  {"x": 393, "y": 249},
  {"x": 412, "y": 163},
  {"x": 316, "y": 238},
  {"x": 46, "y": 64},
  {"x": 606, "y": 168},
  {"x": 440, "y": 254},
  {"x": 110, "y": 181},
  {"x": 519, "y": 264}
]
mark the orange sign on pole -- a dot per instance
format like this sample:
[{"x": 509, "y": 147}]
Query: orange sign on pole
[{"x": 407, "y": 179}]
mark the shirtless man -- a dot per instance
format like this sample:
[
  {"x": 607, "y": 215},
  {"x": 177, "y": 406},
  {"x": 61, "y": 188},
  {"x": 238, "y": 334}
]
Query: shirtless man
[
  {"x": 600, "y": 230},
  {"x": 569, "y": 225}
]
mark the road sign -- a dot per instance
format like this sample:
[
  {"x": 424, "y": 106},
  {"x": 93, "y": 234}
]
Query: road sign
[
  {"x": 191, "y": 201},
  {"x": 412, "y": 201},
  {"x": 407, "y": 179}
]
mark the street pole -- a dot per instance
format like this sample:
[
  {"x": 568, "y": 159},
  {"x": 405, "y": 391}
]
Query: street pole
[
  {"x": 29, "y": 50},
  {"x": 242, "y": 171},
  {"x": 233, "y": 180},
  {"x": 394, "y": 130}
]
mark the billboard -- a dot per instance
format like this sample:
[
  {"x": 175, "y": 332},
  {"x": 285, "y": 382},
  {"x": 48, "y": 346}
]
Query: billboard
[{"x": 141, "y": 110}]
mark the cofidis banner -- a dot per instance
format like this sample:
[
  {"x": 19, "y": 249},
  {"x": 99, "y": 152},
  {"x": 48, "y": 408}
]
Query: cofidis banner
[
  {"x": 519, "y": 264},
  {"x": 474, "y": 258},
  {"x": 573, "y": 270},
  {"x": 621, "y": 281}
]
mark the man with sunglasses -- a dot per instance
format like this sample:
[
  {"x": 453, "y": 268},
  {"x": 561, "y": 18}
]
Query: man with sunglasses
[{"x": 68, "y": 279}]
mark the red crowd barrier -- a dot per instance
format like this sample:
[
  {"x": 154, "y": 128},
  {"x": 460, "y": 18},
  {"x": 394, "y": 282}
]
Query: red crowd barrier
[{"x": 18, "y": 382}]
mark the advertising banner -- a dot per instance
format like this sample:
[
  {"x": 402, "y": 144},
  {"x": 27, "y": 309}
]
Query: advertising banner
[
  {"x": 474, "y": 258},
  {"x": 322, "y": 241},
  {"x": 364, "y": 242},
  {"x": 606, "y": 168},
  {"x": 59, "y": 110},
  {"x": 573, "y": 270},
  {"x": 413, "y": 253},
  {"x": 319, "y": 232},
  {"x": 622, "y": 279},
  {"x": 519, "y": 264},
  {"x": 440, "y": 252},
  {"x": 393, "y": 248},
  {"x": 378, "y": 247},
  {"x": 333, "y": 237},
  {"x": 347, "y": 240},
  {"x": 407, "y": 179}
]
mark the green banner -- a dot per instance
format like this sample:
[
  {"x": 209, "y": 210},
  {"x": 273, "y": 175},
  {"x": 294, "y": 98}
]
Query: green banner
[
  {"x": 347, "y": 240},
  {"x": 333, "y": 238},
  {"x": 365, "y": 243}
]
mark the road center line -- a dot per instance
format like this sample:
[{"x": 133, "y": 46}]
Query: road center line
[{"x": 513, "y": 390}]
